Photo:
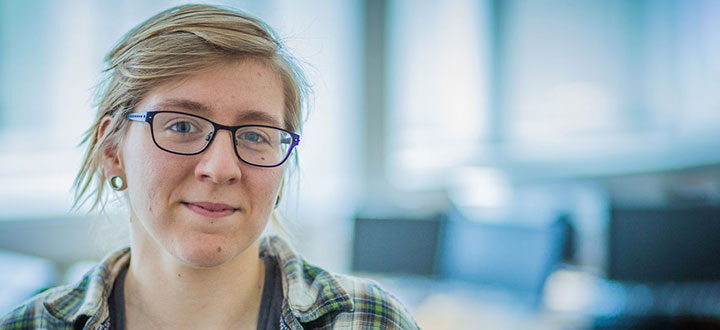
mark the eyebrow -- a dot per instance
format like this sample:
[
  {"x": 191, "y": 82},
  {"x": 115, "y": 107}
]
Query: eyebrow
[
  {"x": 251, "y": 115},
  {"x": 184, "y": 104}
]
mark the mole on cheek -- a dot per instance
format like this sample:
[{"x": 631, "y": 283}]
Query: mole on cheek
[{"x": 219, "y": 249}]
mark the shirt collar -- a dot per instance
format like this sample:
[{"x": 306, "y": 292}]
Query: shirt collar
[
  {"x": 88, "y": 297},
  {"x": 311, "y": 291}
]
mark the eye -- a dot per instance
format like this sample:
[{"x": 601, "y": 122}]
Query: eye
[
  {"x": 182, "y": 127},
  {"x": 251, "y": 137}
]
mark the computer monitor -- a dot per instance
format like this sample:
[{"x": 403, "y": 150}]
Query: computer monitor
[
  {"x": 664, "y": 244},
  {"x": 396, "y": 245}
]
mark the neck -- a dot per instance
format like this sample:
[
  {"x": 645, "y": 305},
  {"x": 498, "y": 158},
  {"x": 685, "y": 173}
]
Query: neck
[{"x": 163, "y": 293}]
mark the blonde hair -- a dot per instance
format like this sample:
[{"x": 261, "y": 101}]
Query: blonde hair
[{"x": 173, "y": 44}]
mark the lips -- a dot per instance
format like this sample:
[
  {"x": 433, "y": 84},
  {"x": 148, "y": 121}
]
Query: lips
[{"x": 213, "y": 210}]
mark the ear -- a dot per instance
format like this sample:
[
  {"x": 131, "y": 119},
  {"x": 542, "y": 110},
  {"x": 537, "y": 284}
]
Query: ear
[
  {"x": 111, "y": 160},
  {"x": 280, "y": 193}
]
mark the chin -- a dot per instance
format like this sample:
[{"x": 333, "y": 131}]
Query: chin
[
  {"x": 209, "y": 252},
  {"x": 204, "y": 253},
  {"x": 204, "y": 259}
]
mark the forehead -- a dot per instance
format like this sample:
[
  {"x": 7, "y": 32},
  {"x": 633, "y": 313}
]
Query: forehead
[{"x": 230, "y": 93}]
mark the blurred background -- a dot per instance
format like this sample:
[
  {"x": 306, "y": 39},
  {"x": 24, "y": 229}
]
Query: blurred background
[{"x": 497, "y": 164}]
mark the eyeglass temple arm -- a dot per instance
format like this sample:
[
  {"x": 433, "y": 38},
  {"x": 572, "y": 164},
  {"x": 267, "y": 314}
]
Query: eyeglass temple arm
[{"x": 138, "y": 116}]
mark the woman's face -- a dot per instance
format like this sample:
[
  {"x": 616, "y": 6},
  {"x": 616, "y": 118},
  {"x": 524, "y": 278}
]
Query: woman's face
[{"x": 208, "y": 208}]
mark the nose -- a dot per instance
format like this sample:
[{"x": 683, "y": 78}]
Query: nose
[{"x": 219, "y": 164}]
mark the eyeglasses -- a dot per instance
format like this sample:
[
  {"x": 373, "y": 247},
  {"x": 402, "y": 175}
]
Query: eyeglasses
[{"x": 186, "y": 134}]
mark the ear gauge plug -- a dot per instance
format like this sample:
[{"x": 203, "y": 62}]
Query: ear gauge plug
[{"x": 117, "y": 183}]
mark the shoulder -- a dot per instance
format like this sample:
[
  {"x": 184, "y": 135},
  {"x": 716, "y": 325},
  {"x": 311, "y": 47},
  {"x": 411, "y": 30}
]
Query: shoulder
[
  {"x": 34, "y": 313},
  {"x": 61, "y": 307},
  {"x": 373, "y": 307}
]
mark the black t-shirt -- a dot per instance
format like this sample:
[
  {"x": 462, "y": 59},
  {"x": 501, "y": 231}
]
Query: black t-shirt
[
  {"x": 270, "y": 306},
  {"x": 116, "y": 302},
  {"x": 272, "y": 297}
]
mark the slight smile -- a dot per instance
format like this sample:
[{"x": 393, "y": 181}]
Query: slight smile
[{"x": 211, "y": 210}]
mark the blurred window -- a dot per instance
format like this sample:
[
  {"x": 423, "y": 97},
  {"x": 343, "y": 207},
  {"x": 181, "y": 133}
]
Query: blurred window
[
  {"x": 616, "y": 80},
  {"x": 587, "y": 87},
  {"x": 50, "y": 57},
  {"x": 437, "y": 78}
]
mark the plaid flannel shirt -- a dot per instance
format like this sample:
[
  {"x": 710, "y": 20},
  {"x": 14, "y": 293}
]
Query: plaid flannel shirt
[{"x": 313, "y": 298}]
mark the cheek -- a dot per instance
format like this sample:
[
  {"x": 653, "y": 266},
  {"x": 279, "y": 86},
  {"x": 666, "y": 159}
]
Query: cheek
[
  {"x": 149, "y": 176},
  {"x": 266, "y": 185},
  {"x": 139, "y": 180}
]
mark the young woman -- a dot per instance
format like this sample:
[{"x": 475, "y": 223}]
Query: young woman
[{"x": 196, "y": 122}]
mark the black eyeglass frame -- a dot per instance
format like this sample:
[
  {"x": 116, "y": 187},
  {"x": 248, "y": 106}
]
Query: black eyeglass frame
[{"x": 149, "y": 115}]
